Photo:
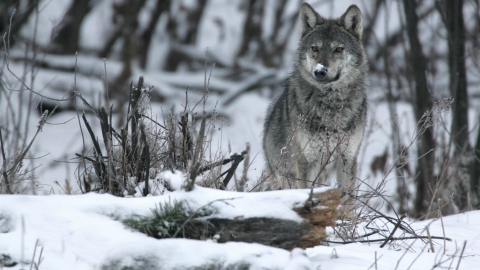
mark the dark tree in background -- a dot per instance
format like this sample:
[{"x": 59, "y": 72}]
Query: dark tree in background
[
  {"x": 458, "y": 75},
  {"x": 126, "y": 20},
  {"x": 252, "y": 30},
  {"x": 269, "y": 50},
  {"x": 181, "y": 41},
  {"x": 66, "y": 41},
  {"x": 161, "y": 7},
  {"x": 23, "y": 10},
  {"x": 422, "y": 102},
  {"x": 453, "y": 19}
]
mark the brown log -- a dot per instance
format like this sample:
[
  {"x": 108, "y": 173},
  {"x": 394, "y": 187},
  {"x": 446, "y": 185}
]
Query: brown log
[{"x": 282, "y": 233}]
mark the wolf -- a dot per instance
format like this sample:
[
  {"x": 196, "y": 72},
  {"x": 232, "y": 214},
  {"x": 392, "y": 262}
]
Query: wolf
[{"x": 314, "y": 129}]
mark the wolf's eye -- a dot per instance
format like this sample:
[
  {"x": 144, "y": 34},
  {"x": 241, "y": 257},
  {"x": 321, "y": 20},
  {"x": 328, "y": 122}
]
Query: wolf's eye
[
  {"x": 339, "y": 49},
  {"x": 315, "y": 48}
]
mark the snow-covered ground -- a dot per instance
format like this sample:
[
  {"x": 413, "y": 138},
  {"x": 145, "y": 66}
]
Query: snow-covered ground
[{"x": 84, "y": 232}]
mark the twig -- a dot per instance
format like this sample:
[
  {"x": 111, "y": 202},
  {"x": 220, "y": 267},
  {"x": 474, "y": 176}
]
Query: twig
[
  {"x": 430, "y": 239},
  {"x": 99, "y": 166},
  {"x": 461, "y": 254},
  {"x": 41, "y": 122},
  {"x": 33, "y": 257},
  {"x": 214, "y": 164},
  {"x": 388, "y": 239},
  {"x": 135, "y": 96},
  {"x": 145, "y": 159},
  {"x": 236, "y": 160},
  {"x": 389, "y": 219},
  {"x": 75, "y": 90},
  {"x": 97, "y": 114},
  {"x": 22, "y": 241},
  {"x": 381, "y": 195},
  {"x": 40, "y": 259},
  {"x": 107, "y": 140},
  {"x": 158, "y": 124},
  {"x": 92, "y": 135},
  {"x": 375, "y": 262},
  {"x": 246, "y": 164},
  {"x": 418, "y": 256},
  {"x": 252, "y": 83},
  {"x": 201, "y": 137},
  {"x": 367, "y": 234},
  {"x": 187, "y": 140},
  {"x": 443, "y": 230},
  {"x": 4, "y": 166},
  {"x": 125, "y": 153},
  {"x": 393, "y": 232},
  {"x": 340, "y": 235},
  {"x": 193, "y": 176}
]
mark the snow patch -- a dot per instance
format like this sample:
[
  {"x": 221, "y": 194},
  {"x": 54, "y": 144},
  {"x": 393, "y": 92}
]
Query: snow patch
[
  {"x": 319, "y": 67},
  {"x": 83, "y": 232}
]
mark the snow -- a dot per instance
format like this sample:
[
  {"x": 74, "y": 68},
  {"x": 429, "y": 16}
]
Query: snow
[
  {"x": 49, "y": 16},
  {"x": 319, "y": 67},
  {"x": 83, "y": 232},
  {"x": 203, "y": 253},
  {"x": 461, "y": 228},
  {"x": 174, "y": 179}
]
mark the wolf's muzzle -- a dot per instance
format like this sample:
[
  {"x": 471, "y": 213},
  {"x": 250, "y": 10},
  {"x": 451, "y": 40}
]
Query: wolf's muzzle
[{"x": 320, "y": 74}]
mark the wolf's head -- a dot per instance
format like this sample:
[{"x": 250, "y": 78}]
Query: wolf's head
[{"x": 330, "y": 50}]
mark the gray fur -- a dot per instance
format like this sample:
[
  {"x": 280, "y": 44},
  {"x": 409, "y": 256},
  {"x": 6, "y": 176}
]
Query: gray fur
[{"x": 315, "y": 127}]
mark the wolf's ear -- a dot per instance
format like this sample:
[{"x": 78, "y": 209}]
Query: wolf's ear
[
  {"x": 352, "y": 21},
  {"x": 309, "y": 18}
]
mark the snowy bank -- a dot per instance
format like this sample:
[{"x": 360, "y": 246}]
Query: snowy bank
[{"x": 83, "y": 232}]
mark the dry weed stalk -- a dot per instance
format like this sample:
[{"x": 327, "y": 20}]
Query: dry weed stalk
[
  {"x": 16, "y": 94},
  {"x": 376, "y": 225},
  {"x": 144, "y": 148}
]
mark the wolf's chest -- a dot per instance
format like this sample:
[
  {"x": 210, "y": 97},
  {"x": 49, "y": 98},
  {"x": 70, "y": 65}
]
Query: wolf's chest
[{"x": 316, "y": 146}]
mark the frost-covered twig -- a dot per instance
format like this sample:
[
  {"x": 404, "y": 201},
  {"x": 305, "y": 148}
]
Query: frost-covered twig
[
  {"x": 193, "y": 176},
  {"x": 246, "y": 164}
]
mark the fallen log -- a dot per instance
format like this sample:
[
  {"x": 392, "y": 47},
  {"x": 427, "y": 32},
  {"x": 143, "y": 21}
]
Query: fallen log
[
  {"x": 285, "y": 219},
  {"x": 318, "y": 213}
]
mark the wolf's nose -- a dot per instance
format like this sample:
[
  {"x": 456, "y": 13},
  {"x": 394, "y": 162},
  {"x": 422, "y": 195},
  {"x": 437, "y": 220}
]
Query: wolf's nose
[{"x": 320, "y": 73}]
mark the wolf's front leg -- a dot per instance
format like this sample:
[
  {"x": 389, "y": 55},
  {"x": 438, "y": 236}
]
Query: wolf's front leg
[
  {"x": 347, "y": 181},
  {"x": 302, "y": 172},
  {"x": 346, "y": 173}
]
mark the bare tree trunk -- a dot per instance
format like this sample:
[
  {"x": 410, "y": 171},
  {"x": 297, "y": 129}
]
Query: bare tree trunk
[
  {"x": 458, "y": 89},
  {"x": 252, "y": 31},
  {"x": 367, "y": 35},
  {"x": 402, "y": 195},
  {"x": 272, "y": 51},
  {"x": 458, "y": 76},
  {"x": 125, "y": 19},
  {"x": 475, "y": 171},
  {"x": 22, "y": 13},
  {"x": 194, "y": 16},
  {"x": 128, "y": 11},
  {"x": 394, "y": 39},
  {"x": 421, "y": 104},
  {"x": 146, "y": 37},
  {"x": 67, "y": 39},
  {"x": 269, "y": 50}
]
